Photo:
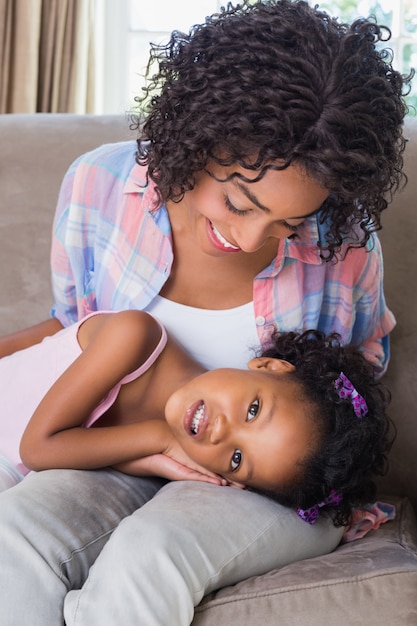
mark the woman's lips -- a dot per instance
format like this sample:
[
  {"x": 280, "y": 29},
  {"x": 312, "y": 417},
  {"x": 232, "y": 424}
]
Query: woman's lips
[
  {"x": 217, "y": 239},
  {"x": 195, "y": 419}
]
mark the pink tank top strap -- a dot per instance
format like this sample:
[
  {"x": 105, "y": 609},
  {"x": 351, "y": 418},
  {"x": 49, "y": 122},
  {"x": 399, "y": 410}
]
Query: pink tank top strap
[
  {"x": 150, "y": 360},
  {"x": 112, "y": 395}
]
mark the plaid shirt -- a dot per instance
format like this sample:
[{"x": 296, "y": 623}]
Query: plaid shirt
[{"x": 112, "y": 250}]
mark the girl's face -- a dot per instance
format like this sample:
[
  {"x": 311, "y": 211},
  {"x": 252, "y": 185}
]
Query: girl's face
[
  {"x": 245, "y": 425},
  {"x": 234, "y": 216}
]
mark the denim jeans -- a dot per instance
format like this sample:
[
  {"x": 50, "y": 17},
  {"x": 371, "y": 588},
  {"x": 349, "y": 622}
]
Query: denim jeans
[{"x": 101, "y": 548}]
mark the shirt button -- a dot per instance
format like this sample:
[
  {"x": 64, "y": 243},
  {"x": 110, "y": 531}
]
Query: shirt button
[{"x": 260, "y": 320}]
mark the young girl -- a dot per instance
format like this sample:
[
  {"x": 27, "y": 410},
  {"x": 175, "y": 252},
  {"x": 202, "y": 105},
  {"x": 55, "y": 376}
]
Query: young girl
[{"x": 118, "y": 391}]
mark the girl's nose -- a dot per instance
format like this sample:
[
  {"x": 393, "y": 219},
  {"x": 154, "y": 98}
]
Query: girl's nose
[{"x": 219, "y": 430}]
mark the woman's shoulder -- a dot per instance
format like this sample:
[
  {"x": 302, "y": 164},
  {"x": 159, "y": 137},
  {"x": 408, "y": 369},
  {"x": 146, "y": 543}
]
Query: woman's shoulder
[
  {"x": 112, "y": 157},
  {"x": 108, "y": 162}
]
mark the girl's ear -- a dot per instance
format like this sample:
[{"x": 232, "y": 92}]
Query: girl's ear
[{"x": 271, "y": 365}]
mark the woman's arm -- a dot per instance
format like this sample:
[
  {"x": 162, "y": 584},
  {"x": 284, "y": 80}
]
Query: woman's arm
[
  {"x": 29, "y": 336},
  {"x": 55, "y": 436}
]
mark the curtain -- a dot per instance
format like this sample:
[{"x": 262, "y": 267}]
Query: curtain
[{"x": 46, "y": 56}]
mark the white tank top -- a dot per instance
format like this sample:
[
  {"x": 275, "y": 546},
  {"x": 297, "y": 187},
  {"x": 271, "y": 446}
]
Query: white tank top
[{"x": 226, "y": 338}]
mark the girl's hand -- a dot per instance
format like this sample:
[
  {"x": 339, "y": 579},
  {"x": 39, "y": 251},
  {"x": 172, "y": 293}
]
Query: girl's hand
[
  {"x": 175, "y": 452},
  {"x": 167, "y": 467}
]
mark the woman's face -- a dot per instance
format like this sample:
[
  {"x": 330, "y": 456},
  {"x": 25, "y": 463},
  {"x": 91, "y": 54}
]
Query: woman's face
[
  {"x": 249, "y": 426},
  {"x": 235, "y": 216}
]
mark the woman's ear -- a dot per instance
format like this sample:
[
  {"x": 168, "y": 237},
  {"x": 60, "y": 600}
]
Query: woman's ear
[{"x": 271, "y": 365}]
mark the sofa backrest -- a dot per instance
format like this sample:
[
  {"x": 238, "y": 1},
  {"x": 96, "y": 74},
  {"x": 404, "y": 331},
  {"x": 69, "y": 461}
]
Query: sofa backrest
[{"x": 36, "y": 151}]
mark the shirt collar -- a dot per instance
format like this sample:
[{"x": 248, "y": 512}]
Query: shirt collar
[
  {"x": 303, "y": 248},
  {"x": 136, "y": 183}
]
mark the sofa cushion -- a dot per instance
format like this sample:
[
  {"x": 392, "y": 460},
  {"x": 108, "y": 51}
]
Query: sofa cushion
[{"x": 378, "y": 571}]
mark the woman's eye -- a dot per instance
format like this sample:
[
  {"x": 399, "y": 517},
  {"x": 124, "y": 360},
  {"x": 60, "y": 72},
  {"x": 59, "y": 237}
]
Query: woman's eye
[
  {"x": 236, "y": 460},
  {"x": 253, "y": 410},
  {"x": 293, "y": 228},
  {"x": 233, "y": 209}
]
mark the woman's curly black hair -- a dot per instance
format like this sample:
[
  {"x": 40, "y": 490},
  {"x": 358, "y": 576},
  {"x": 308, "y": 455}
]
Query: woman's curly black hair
[
  {"x": 279, "y": 80},
  {"x": 349, "y": 451}
]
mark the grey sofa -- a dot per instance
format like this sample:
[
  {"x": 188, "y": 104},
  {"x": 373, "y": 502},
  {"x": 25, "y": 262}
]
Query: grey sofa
[{"x": 372, "y": 581}]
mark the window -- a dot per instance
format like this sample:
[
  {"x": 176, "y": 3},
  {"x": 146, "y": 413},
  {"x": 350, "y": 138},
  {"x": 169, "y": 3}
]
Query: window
[
  {"x": 126, "y": 27},
  {"x": 125, "y": 30}
]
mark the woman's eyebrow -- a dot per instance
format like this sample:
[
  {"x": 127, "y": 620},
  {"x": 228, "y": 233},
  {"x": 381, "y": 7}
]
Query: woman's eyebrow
[{"x": 251, "y": 196}]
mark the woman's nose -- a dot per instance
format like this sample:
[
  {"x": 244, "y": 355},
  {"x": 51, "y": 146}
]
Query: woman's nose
[
  {"x": 254, "y": 237},
  {"x": 219, "y": 430}
]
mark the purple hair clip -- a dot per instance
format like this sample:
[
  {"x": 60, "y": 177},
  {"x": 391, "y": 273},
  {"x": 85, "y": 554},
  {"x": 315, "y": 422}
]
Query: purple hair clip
[
  {"x": 311, "y": 515},
  {"x": 347, "y": 391}
]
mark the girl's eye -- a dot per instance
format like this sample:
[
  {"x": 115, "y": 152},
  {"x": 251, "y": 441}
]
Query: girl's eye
[
  {"x": 236, "y": 460},
  {"x": 253, "y": 410},
  {"x": 233, "y": 209}
]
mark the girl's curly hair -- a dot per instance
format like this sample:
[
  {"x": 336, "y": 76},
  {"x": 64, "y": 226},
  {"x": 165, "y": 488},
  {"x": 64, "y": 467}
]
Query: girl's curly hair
[
  {"x": 279, "y": 80},
  {"x": 349, "y": 450}
]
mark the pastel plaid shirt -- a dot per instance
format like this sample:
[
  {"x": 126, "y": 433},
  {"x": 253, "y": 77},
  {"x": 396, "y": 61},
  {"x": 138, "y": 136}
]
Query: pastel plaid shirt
[{"x": 112, "y": 250}]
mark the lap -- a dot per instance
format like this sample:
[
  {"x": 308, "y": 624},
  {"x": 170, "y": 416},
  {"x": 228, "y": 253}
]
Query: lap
[
  {"x": 253, "y": 532},
  {"x": 189, "y": 539},
  {"x": 240, "y": 533},
  {"x": 53, "y": 526},
  {"x": 70, "y": 514},
  {"x": 59, "y": 528}
]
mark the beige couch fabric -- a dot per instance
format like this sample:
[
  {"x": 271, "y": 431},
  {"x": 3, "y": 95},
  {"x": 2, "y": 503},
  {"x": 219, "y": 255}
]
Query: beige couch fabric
[
  {"x": 372, "y": 581},
  {"x": 36, "y": 150}
]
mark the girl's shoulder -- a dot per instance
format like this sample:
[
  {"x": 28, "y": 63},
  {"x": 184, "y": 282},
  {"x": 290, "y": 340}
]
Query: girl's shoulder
[
  {"x": 135, "y": 323},
  {"x": 131, "y": 329}
]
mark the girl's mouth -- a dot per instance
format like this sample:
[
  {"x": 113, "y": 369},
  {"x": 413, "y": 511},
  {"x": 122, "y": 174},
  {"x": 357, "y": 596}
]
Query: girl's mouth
[
  {"x": 197, "y": 417},
  {"x": 195, "y": 420},
  {"x": 220, "y": 242}
]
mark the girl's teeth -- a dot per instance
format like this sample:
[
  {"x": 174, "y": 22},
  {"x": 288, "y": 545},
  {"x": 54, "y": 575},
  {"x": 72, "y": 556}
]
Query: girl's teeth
[
  {"x": 222, "y": 240},
  {"x": 195, "y": 422}
]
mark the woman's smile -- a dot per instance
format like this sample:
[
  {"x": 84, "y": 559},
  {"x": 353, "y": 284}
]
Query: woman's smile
[{"x": 219, "y": 242}]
